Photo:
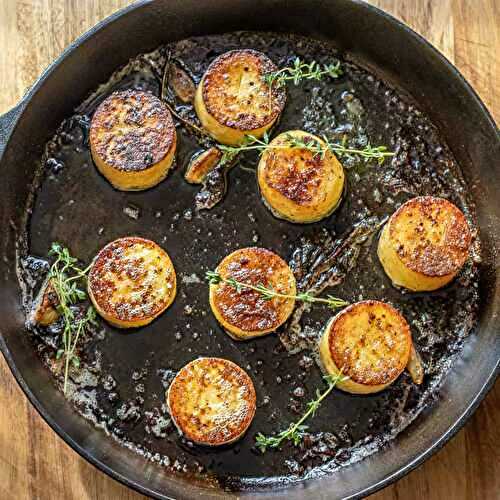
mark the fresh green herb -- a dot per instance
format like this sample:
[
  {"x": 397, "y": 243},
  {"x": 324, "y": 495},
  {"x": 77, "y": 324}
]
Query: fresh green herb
[
  {"x": 252, "y": 143},
  {"x": 295, "y": 432},
  {"x": 311, "y": 144},
  {"x": 301, "y": 70},
  {"x": 214, "y": 278},
  {"x": 66, "y": 278}
]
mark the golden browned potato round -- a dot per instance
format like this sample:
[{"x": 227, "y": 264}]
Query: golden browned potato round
[
  {"x": 424, "y": 244},
  {"x": 246, "y": 313},
  {"x": 133, "y": 140},
  {"x": 370, "y": 343},
  {"x": 131, "y": 282},
  {"x": 212, "y": 401},
  {"x": 232, "y": 99},
  {"x": 296, "y": 184}
]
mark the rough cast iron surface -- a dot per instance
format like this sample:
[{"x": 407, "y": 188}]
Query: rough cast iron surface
[{"x": 124, "y": 374}]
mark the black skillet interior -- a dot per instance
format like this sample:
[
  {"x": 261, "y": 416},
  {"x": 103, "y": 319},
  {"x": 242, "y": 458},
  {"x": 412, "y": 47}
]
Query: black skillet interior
[{"x": 402, "y": 67}]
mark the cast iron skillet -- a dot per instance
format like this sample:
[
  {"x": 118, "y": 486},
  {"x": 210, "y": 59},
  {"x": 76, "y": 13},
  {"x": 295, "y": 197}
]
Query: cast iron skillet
[{"x": 377, "y": 41}]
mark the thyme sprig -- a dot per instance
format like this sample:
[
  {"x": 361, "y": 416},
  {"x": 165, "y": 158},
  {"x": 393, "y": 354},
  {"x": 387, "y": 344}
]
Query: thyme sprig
[
  {"x": 301, "y": 70},
  {"x": 214, "y": 278},
  {"x": 295, "y": 431},
  {"x": 66, "y": 278},
  {"x": 252, "y": 143}
]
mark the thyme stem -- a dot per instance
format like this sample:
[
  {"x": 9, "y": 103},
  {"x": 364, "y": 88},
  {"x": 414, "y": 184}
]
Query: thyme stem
[
  {"x": 295, "y": 431},
  {"x": 310, "y": 144},
  {"x": 301, "y": 70},
  {"x": 268, "y": 293}
]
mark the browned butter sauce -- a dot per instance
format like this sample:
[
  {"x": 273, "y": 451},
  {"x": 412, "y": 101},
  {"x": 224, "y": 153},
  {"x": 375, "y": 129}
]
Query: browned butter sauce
[{"x": 121, "y": 384}]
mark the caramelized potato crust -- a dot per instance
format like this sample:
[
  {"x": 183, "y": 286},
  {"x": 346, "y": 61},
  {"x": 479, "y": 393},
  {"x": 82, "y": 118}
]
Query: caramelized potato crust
[
  {"x": 212, "y": 401},
  {"x": 424, "y": 244},
  {"x": 370, "y": 343},
  {"x": 246, "y": 313},
  {"x": 133, "y": 140},
  {"x": 232, "y": 99},
  {"x": 297, "y": 184},
  {"x": 131, "y": 282}
]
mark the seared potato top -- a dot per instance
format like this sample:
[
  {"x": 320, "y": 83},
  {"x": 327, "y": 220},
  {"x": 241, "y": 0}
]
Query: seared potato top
[
  {"x": 298, "y": 184},
  {"x": 132, "y": 130},
  {"x": 296, "y": 173},
  {"x": 370, "y": 341},
  {"x": 246, "y": 309},
  {"x": 235, "y": 94},
  {"x": 212, "y": 401},
  {"x": 430, "y": 236},
  {"x": 131, "y": 281}
]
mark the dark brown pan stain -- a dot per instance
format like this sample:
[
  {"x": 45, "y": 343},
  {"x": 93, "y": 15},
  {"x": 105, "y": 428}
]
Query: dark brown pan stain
[{"x": 122, "y": 382}]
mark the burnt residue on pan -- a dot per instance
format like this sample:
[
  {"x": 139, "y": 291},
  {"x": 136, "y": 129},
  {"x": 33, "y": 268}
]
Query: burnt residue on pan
[{"x": 124, "y": 374}]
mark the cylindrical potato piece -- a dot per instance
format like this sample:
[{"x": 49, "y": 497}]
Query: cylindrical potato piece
[
  {"x": 212, "y": 401},
  {"x": 297, "y": 184},
  {"x": 245, "y": 313},
  {"x": 369, "y": 343},
  {"x": 233, "y": 100},
  {"x": 132, "y": 281},
  {"x": 133, "y": 140},
  {"x": 424, "y": 244}
]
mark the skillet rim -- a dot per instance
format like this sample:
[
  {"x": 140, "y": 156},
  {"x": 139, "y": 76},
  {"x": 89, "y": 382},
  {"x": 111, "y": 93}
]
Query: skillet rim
[{"x": 9, "y": 121}]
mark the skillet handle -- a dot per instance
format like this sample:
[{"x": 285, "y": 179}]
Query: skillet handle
[{"x": 7, "y": 122}]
